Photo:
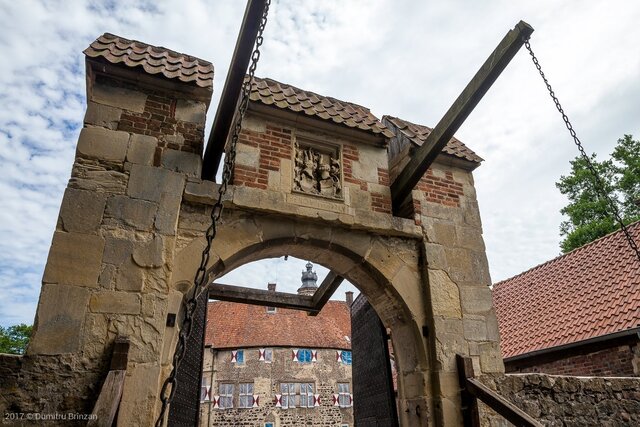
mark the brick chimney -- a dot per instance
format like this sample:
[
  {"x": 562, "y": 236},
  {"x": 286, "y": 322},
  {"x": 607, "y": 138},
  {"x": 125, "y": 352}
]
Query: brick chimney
[
  {"x": 271, "y": 286},
  {"x": 349, "y": 296}
]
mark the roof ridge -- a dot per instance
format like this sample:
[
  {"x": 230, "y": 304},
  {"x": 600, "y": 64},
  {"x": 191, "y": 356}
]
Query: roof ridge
[
  {"x": 632, "y": 225},
  {"x": 314, "y": 93},
  {"x": 114, "y": 37}
]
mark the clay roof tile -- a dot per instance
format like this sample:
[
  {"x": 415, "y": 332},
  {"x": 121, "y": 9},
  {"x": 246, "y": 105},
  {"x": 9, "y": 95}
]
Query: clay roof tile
[{"x": 589, "y": 292}]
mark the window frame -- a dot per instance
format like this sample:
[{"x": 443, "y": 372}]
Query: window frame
[
  {"x": 346, "y": 360},
  {"x": 205, "y": 383},
  {"x": 247, "y": 395},
  {"x": 342, "y": 394},
  {"x": 297, "y": 395},
  {"x": 270, "y": 352},
  {"x": 222, "y": 397},
  {"x": 306, "y": 352}
]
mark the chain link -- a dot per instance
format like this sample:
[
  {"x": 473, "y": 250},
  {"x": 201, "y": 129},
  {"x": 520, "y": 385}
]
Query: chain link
[
  {"x": 597, "y": 180},
  {"x": 170, "y": 385}
]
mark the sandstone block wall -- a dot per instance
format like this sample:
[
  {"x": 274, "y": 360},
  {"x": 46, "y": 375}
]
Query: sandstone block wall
[
  {"x": 615, "y": 361},
  {"x": 568, "y": 401},
  {"x": 111, "y": 257},
  {"x": 266, "y": 377}
]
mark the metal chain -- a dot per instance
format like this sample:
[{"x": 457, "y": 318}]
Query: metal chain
[
  {"x": 599, "y": 183},
  {"x": 200, "y": 281}
]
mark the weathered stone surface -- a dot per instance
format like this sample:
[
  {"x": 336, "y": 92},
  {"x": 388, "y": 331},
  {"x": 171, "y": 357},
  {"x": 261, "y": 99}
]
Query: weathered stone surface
[
  {"x": 74, "y": 259},
  {"x": 133, "y": 212},
  {"x": 99, "y": 180},
  {"x": 182, "y": 161},
  {"x": 201, "y": 192},
  {"x": 191, "y": 111},
  {"x": 490, "y": 358},
  {"x": 148, "y": 183},
  {"x": 247, "y": 155},
  {"x": 139, "y": 396},
  {"x": 142, "y": 149},
  {"x": 475, "y": 329},
  {"x": 119, "y": 97},
  {"x": 115, "y": 302},
  {"x": 103, "y": 144},
  {"x": 106, "y": 276},
  {"x": 150, "y": 254},
  {"x": 130, "y": 277},
  {"x": 102, "y": 115},
  {"x": 445, "y": 297},
  {"x": 476, "y": 299},
  {"x": 167, "y": 216},
  {"x": 58, "y": 327},
  {"x": 81, "y": 211},
  {"x": 117, "y": 250}
]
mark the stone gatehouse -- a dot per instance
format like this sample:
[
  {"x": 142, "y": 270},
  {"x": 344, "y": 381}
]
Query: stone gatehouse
[{"x": 312, "y": 180}]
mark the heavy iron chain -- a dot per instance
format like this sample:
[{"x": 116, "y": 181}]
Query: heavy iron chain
[
  {"x": 200, "y": 281},
  {"x": 597, "y": 180}
]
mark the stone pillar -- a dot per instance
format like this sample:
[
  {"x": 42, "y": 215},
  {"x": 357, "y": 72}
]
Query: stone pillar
[
  {"x": 463, "y": 318},
  {"x": 111, "y": 258}
]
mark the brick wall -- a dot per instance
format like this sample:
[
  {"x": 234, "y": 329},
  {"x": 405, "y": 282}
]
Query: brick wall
[
  {"x": 274, "y": 144},
  {"x": 614, "y": 361},
  {"x": 158, "y": 119}
]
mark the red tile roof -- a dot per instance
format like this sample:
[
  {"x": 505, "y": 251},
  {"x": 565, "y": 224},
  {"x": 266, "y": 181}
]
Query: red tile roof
[
  {"x": 233, "y": 325},
  {"x": 154, "y": 60},
  {"x": 589, "y": 292},
  {"x": 287, "y": 97},
  {"x": 418, "y": 134}
]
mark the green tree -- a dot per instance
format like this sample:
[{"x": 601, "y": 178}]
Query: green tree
[
  {"x": 14, "y": 339},
  {"x": 588, "y": 214}
]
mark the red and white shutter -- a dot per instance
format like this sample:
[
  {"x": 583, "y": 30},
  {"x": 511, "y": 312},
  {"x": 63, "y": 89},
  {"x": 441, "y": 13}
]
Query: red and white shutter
[
  {"x": 338, "y": 355},
  {"x": 216, "y": 402},
  {"x": 336, "y": 400},
  {"x": 294, "y": 354},
  {"x": 316, "y": 400},
  {"x": 234, "y": 356},
  {"x": 261, "y": 355},
  {"x": 207, "y": 393},
  {"x": 351, "y": 400},
  {"x": 278, "y": 401},
  {"x": 256, "y": 401},
  {"x": 314, "y": 355}
]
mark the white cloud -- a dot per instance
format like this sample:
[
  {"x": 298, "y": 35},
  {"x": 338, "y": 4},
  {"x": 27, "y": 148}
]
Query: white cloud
[{"x": 404, "y": 58}]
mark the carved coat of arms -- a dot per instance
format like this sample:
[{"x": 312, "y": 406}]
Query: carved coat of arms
[{"x": 317, "y": 171}]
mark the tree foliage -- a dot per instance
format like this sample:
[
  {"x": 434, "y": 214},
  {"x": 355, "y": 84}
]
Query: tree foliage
[
  {"x": 14, "y": 339},
  {"x": 588, "y": 214}
]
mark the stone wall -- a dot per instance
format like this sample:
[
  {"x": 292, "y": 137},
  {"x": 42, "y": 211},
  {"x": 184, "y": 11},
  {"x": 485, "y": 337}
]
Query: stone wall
[
  {"x": 111, "y": 257},
  {"x": 621, "y": 360},
  {"x": 325, "y": 374},
  {"x": 568, "y": 401}
]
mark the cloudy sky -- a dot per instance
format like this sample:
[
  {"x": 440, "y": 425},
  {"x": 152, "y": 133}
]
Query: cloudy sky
[{"x": 405, "y": 58}]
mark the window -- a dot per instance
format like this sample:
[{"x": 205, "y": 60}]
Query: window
[
  {"x": 237, "y": 356},
  {"x": 346, "y": 357},
  {"x": 268, "y": 355},
  {"x": 246, "y": 395},
  {"x": 344, "y": 397},
  {"x": 304, "y": 356},
  {"x": 268, "y": 424},
  {"x": 205, "y": 388},
  {"x": 297, "y": 395},
  {"x": 271, "y": 310},
  {"x": 226, "y": 396}
]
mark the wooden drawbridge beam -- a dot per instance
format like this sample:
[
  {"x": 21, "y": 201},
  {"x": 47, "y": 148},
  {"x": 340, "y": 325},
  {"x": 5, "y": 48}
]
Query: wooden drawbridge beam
[{"x": 424, "y": 156}]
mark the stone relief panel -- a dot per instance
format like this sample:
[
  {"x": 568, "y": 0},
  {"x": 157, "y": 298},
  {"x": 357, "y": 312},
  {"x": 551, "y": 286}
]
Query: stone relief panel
[{"x": 317, "y": 169}]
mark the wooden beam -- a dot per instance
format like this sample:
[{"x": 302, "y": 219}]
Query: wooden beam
[
  {"x": 470, "y": 415},
  {"x": 232, "y": 88},
  {"x": 325, "y": 290},
  {"x": 106, "y": 407},
  {"x": 502, "y": 406},
  {"x": 406, "y": 181},
  {"x": 245, "y": 295}
]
